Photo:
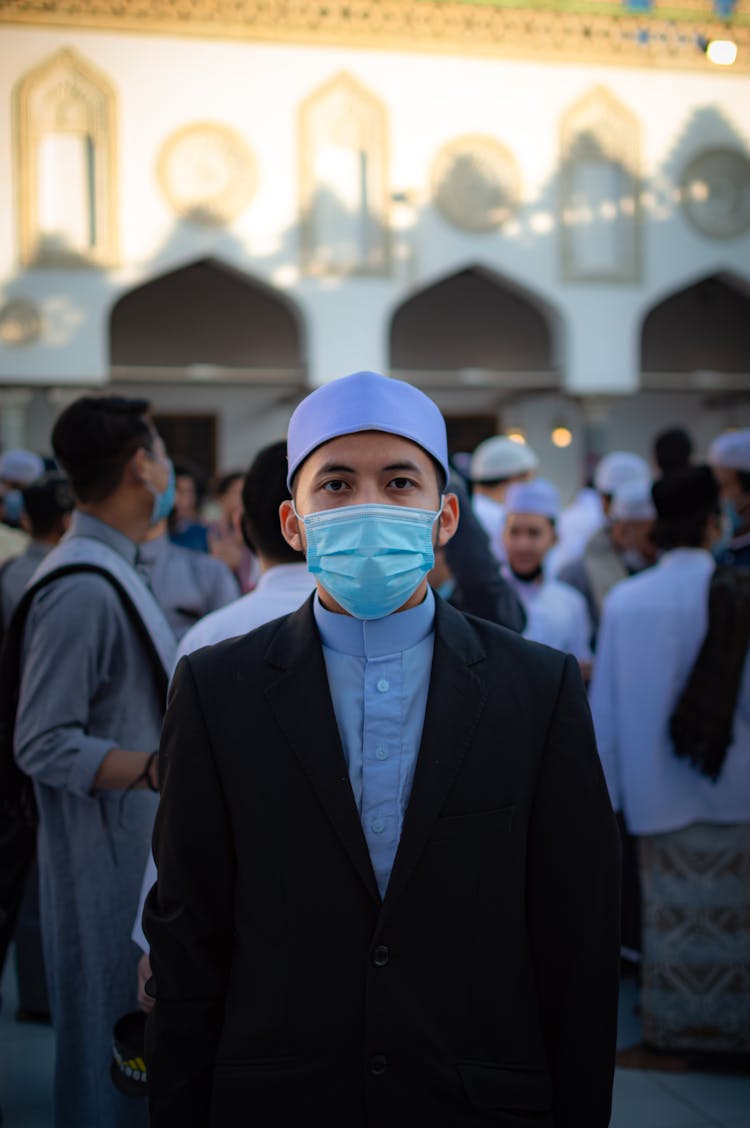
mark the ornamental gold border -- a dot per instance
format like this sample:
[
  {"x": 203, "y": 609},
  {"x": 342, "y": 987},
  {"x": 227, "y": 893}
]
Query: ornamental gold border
[
  {"x": 25, "y": 136},
  {"x": 439, "y": 26},
  {"x": 220, "y": 131}
]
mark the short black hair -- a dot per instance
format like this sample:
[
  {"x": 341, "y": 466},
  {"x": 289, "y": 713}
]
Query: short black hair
[
  {"x": 46, "y": 502},
  {"x": 682, "y": 532},
  {"x": 263, "y": 491},
  {"x": 93, "y": 439},
  {"x": 673, "y": 449},
  {"x": 743, "y": 477}
]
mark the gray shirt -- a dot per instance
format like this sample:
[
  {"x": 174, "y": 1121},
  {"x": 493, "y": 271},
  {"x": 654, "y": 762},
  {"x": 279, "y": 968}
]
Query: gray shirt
[
  {"x": 87, "y": 687},
  {"x": 187, "y": 584}
]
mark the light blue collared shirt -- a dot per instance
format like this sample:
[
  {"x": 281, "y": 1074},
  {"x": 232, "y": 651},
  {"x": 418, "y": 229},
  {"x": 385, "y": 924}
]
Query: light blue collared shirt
[{"x": 379, "y": 674}]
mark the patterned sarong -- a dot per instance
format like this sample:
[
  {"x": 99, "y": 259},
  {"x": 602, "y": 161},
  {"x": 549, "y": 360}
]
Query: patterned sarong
[{"x": 696, "y": 938}]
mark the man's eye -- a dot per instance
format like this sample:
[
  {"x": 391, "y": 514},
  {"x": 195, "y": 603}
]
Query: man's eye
[
  {"x": 334, "y": 485},
  {"x": 402, "y": 483}
]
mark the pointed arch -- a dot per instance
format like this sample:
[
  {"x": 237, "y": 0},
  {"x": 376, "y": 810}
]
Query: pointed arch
[
  {"x": 475, "y": 322},
  {"x": 207, "y": 315},
  {"x": 344, "y": 180},
  {"x": 65, "y": 129},
  {"x": 703, "y": 326},
  {"x": 599, "y": 190}
]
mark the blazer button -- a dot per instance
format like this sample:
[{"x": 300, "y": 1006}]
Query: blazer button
[
  {"x": 381, "y": 955},
  {"x": 378, "y": 1065}
]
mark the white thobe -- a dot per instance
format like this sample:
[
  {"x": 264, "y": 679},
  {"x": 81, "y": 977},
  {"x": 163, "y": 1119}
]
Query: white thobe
[
  {"x": 556, "y": 614},
  {"x": 652, "y": 628}
]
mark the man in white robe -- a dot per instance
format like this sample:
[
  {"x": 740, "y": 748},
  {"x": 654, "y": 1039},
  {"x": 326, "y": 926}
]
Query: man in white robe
[{"x": 693, "y": 831}]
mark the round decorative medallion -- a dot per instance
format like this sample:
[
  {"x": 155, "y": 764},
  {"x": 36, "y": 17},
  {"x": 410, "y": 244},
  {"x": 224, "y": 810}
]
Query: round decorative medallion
[
  {"x": 207, "y": 173},
  {"x": 20, "y": 322},
  {"x": 715, "y": 193},
  {"x": 476, "y": 185}
]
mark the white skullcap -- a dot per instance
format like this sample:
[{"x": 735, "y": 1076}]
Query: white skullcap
[
  {"x": 731, "y": 450},
  {"x": 499, "y": 457},
  {"x": 538, "y": 496},
  {"x": 22, "y": 467},
  {"x": 632, "y": 501},
  {"x": 619, "y": 467},
  {"x": 365, "y": 401}
]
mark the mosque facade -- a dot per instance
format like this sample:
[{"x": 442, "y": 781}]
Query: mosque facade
[{"x": 540, "y": 214}]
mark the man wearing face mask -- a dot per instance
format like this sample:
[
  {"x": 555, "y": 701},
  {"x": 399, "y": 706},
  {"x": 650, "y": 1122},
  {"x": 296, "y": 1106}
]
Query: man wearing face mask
[
  {"x": 729, "y": 457},
  {"x": 399, "y": 904},
  {"x": 95, "y": 653}
]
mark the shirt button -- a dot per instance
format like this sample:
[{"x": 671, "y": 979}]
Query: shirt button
[
  {"x": 378, "y": 825},
  {"x": 381, "y": 955},
  {"x": 378, "y": 1065},
  {"x": 381, "y": 753},
  {"x": 383, "y": 685}
]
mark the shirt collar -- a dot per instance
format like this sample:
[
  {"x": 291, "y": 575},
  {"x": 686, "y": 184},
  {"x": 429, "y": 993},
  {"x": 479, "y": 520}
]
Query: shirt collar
[
  {"x": 374, "y": 638},
  {"x": 84, "y": 525},
  {"x": 284, "y": 575}
]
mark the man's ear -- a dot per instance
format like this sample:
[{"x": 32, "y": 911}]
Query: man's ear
[
  {"x": 290, "y": 526},
  {"x": 448, "y": 522},
  {"x": 138, "y": 467}
]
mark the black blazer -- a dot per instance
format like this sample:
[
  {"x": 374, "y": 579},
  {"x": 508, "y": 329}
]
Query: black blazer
[{"x": 481, "y": 990}]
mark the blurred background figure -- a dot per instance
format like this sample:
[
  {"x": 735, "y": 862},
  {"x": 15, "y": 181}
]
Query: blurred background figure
[
  {"x": 47, "y": 505},
  {"x": 225, "y": 538},
  {"x": 186, "y": 528},
  {"x": 602, "y": 563},
  {"x": 555, "y": 613},
  {"x": 692, "y": 827},
  {"x": 187, "y": 584},
  {"x": 672, "y": 450},
  {"x": 18, "y": 469},
  {"x": 496, "y": 463},
  {"x": 729, "y": 456},
  {"x": 466, "y": 570}
]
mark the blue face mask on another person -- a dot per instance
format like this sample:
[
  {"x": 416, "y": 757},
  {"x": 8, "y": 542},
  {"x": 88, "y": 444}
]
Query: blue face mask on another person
[
  {"x": 13, "y": 506},
  {"x": 370, "y": 558},
  {"x": 164, "y": 502}
]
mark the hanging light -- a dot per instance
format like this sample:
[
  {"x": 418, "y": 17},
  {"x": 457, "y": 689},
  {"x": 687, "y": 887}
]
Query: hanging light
[
  {"x": 516, "y": 435},
  {"x": 561, "y": 435}
]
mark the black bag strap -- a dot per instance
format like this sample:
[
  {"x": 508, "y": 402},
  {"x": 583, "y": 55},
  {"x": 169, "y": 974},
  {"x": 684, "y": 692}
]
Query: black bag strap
[{"x": 16, "y": 791}]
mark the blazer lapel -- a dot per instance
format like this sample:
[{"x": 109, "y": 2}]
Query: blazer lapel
[
  {"x": 301, "y": 702},
  {"x": 455, "y": 700}
]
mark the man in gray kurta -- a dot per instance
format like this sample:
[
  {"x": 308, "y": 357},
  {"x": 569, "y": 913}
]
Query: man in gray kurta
[{"x": 89, "y": 698}]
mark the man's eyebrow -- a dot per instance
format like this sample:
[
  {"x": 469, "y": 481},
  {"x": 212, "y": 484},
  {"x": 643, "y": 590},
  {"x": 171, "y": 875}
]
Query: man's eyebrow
[
  {"x": 403, "y": 466},
  {"x": 336, "y": 468}
]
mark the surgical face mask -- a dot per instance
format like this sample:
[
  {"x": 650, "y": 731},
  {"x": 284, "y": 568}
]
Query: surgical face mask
[
  {"x": 13, "y": 506},
  {"x": 164, "y": 501},
  {"x": 370, "y": 558}
]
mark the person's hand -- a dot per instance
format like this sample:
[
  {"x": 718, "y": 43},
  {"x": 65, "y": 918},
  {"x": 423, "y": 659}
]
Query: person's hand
[
  {"x": 145, "y": 1002},
  {"x": 586, "y": 669}
]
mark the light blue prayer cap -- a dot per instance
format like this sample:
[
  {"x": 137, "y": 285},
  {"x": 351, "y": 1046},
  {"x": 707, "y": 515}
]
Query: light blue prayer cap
[
  {"x": 731, "y": 451},
  {"x": 537, "y": 496},
  {"x": 365, "y": 401}
]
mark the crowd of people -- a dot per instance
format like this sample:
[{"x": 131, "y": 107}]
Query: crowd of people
[{"x": 396, "y": 871}]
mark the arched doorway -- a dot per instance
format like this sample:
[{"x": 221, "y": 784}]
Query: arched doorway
[
  {"x": 215, "y": 352},
  {"x": 482, "y": 340},
  {"x": 702, "y": 328}
]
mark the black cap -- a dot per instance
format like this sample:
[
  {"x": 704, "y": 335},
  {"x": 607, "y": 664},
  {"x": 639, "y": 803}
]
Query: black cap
[
  {"x": 128, "y": 1069},
  {"x": 687, "y": 492}
]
